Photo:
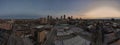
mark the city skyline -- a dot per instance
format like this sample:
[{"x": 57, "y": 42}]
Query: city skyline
[{"x": 43, "y": 8}]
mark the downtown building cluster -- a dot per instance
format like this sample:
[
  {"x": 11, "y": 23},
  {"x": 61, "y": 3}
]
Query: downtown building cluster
[{"x": 61, "y": 30}]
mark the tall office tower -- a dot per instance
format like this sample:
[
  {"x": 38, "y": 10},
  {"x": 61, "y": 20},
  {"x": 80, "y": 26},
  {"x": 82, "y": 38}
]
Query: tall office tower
[
  {"x": 71, "y": 17},
  {"x": 56, "y": 18},
  {"x": 64, "y": 16},
  {"x": 51, "y": 18},
  {"x": 61, "y": 17},
  {"x": 48, "y": 17}
]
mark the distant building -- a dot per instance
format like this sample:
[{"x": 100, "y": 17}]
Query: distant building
[
  {"x": 64, "y": 16},
  {"x": 48, "y": 17},
  {"x": 43, "y": 21},
  {"x": 56, "y": 18},
  {"x": 51, "y": 17},
  {"x": 7, "y": 26},
  {"x": 61, "y": 17}
]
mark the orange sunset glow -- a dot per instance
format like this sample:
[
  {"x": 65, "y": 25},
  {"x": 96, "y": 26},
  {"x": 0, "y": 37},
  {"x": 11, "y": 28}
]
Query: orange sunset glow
[{"x": 101, "y": 12}]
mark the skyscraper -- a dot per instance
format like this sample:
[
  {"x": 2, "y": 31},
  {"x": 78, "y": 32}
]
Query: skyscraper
[
  {"x": 61, "y": 17},
  {"x": 64, "y": 16},
  {"x": 48, "y": 17},
  {"x": 56, "y": 18}
]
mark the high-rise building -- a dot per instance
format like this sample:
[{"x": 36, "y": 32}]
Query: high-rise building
[
  {"x": 51, "y": 18},
  {"x": 48, "y": 17},
  {"x": 64, "y": 16},
  {"x": 56, "y": 18},
  {"x": 43, "y": 20},
  {"x": 61, "y": 17}
]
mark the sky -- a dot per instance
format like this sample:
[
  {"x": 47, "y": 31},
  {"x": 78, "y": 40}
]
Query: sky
[{"x": 42, "y": 8}]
